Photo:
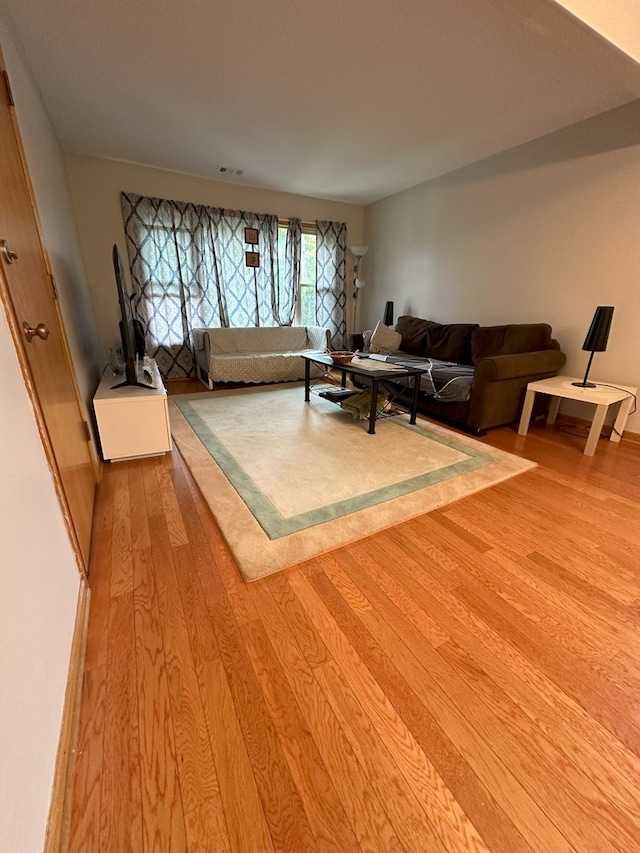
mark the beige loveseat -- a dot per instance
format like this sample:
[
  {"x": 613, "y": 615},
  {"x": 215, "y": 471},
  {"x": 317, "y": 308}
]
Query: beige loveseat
[{"x": 265, "y": 354}]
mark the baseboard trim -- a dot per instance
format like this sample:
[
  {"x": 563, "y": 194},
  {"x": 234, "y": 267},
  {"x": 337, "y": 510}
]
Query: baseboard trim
[
  {"x": 571, "y": 420},
  {"x": 59, "y": 811},
  {"x": 634, "y": 437}
]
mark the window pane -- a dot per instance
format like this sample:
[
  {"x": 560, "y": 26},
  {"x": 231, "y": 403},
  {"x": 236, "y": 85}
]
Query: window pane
[
  {"x": 307, "y": 305},
  {"x": 308, "y": 260},
  {"x": 282, "y": 249}
]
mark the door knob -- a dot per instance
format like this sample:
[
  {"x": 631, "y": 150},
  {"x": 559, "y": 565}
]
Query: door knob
[
  {"x": 40, "y": 330},
  {"x": 9, "y": 255}
]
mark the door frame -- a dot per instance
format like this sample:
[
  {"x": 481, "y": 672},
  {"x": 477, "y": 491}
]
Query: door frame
[{"x": 19, "y": 345}]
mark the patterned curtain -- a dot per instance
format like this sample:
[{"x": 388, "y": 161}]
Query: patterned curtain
[
  {"x": 188, "y": 270},
  {"x": 285, "y": 294},
  {"x": 331, "y": 246}
]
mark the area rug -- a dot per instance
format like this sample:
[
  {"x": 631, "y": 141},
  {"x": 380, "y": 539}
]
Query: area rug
[{"x": 287, "y": 480}]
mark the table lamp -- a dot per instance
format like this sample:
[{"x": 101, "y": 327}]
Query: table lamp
[{"x": 596, "y": 340}]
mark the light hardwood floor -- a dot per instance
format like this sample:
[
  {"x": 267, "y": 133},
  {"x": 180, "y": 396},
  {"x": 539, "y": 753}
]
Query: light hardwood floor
[{"x": 466, "y": 681}]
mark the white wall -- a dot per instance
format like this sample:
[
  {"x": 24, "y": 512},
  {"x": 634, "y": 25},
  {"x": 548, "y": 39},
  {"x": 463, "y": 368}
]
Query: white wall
[
  {"x": 96, "y": 185},
  {"x": 38, "y": 574},
  {"x": 544, "y": 232},
  {"x": 39, "y": 586}
]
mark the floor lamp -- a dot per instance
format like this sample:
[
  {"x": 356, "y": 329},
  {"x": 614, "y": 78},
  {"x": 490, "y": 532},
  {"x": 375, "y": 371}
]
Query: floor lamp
[
  {"x": 596, "y": 340},
  {"x": 358, "y": 253}
]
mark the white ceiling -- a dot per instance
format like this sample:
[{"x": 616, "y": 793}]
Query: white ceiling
[{"x": 344, "y": 99}]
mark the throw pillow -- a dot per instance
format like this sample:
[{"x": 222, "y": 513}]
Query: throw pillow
[
  {"x": 489, "y": 341},
  {"x": 384, "y": 340},
  {"x": 414, "y": 333},
  {"x": 451, "y": 342}
]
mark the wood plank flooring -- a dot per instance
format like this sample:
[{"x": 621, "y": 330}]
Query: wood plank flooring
[{"x": 467, "y": 681}]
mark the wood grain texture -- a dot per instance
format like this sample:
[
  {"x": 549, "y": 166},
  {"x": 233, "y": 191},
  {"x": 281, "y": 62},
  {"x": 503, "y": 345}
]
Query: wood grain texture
[
  {"x": 84, "y": 830},
  {"x": 365, "y": 811},
  {"x": 163, "y": 817},
  {"x": 466, "y": 681},
  {"x": 121, "y": 829},
  {"x": 324, "y": 810},
  {"x": 96, "y": 649},
  {"x": 59, "y": 821}
]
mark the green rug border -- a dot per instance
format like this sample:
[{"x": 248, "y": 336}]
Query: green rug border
[{"x": 270, "y": 519}]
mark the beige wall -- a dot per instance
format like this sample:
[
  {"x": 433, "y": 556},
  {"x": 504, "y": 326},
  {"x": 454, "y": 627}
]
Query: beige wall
[
  {"x": 46, "y": 168},
  {"x": 617, "y": 20},
  {"x": 96, "y": 185},
  {"x": 38, "y": 574},
  {"x": 544, "y": 232}
]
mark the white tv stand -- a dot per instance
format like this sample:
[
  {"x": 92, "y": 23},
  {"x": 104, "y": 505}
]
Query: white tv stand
[{"x": 132, "y": 421}]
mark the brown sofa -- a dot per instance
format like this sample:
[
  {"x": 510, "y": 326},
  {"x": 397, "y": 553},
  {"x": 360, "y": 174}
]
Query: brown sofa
[{"x": 498, "y": 362}]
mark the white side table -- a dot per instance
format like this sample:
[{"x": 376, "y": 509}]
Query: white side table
[
  {"x": 602, "y": 396},
  {"x": 132, "y": 421}
]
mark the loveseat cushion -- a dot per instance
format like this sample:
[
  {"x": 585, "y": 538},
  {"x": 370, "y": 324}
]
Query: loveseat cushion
[
  {"x": 450, "y": 342},
  {"x": 487, "y": 341},
  {"x": 414, "y": 333},
  {"x": 267, "y": 339},
  {"x": 256, "y": 367}
]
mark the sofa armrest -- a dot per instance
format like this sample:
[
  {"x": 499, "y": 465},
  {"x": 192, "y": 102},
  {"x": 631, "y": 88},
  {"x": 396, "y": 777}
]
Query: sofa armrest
[
  {"x": 499, "y": 385},
  {"x": 525, "y": 364},
  {"x": 200, "y": 339},
  {"x": 318, "y": 338},
  {"x": 202, "y": 353}
]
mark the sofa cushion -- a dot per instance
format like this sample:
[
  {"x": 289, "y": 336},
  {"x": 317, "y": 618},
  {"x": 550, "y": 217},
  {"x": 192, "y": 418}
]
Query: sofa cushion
[
  {"x": 488, "y": 341},
  {"x": 384, "y": 340},
  {"x": 450, "y": 342},
  {"x": 441, "y": 380},
  {"x": 414, "y": 333}
]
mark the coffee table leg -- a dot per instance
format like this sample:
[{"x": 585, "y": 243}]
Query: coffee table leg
[
  {"x": 414, "y": 401},
  {"x": 307, "y": 377},
  {"x": 374, "y": 406}
]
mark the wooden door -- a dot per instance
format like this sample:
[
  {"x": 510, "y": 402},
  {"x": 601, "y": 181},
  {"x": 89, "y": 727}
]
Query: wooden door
[{"x": 28, "y": 296}]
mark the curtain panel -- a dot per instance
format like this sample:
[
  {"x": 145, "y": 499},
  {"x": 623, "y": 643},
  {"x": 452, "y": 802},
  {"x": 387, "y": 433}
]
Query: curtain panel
[
  {"x": 331, "y": 247},
  {"x": 188, "y": 270},
  {"x": 286, "y": 289}
]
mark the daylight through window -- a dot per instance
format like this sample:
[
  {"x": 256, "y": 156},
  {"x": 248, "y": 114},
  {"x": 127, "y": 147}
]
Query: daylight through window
[{"x": 306, "y": 298}]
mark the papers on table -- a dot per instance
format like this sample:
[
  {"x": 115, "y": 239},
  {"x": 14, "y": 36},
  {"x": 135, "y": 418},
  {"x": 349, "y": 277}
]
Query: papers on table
[{"x": 375, "y": 362}]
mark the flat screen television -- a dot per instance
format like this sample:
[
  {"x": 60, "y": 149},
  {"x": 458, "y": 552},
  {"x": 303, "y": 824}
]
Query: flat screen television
[{"x": 127, "y": 327}]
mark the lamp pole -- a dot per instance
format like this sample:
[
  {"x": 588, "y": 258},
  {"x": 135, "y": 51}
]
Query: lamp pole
[{"x": 358, "y": 253}]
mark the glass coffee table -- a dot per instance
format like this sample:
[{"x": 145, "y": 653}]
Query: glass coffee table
[{"x": 375, "y": 372}]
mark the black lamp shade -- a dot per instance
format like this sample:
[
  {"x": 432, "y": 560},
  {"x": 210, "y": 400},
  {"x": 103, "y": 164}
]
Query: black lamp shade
[
  {"x": 598, "y": 334},
  {"x": 596, "y": 340},
  {"x": 388, "y": 314}
]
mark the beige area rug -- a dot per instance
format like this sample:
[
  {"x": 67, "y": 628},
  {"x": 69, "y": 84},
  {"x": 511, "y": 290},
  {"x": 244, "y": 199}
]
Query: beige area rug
[{"x": 287, "y": 480}]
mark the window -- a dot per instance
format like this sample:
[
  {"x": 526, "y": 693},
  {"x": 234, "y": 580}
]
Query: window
[
  {"x": 188, "y": 271},
  {"x": 306, "y": 302}
]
